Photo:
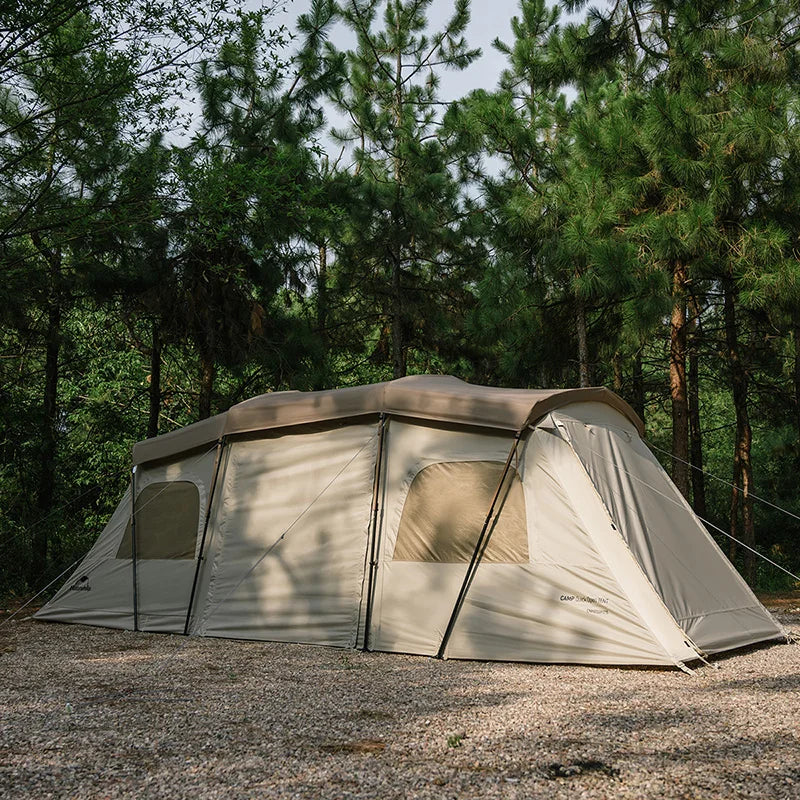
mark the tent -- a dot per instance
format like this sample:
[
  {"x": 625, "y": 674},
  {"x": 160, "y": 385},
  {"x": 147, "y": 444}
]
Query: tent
[{"x": 422, "y": 515}]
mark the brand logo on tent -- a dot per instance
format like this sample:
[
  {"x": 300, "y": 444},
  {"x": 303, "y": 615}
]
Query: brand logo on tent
[
  {"x": 81, "y": 585},
  {"x": 594, "y": 605}
]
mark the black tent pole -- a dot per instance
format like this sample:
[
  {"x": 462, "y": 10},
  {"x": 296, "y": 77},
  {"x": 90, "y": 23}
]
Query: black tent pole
[
  {"x": 373, "y": 554},
  {"x": 480, "y": 549},
  {"x": 133, "y": 550},
  {"x": 201, "y": 553}
]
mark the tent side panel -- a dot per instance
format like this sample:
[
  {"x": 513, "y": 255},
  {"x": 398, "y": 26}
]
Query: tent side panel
[
  {"x": 705, "y": 594},
  {"x": 100, "y": 591},
  {"x": 289, "y": 538},
  {"x": 165, "y": 583},
  {"x": 567, "y": 605},
  {"x": 414, "y": 598},
  {"x": 549, "y": 614}
]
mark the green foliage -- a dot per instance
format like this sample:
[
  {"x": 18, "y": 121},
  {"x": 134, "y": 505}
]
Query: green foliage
[
  {"x": 524, "y": 236},
  {"x": 455, "y": 739},
  {"x": 405, "y": 260}
]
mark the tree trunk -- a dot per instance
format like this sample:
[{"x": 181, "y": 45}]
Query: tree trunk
[
  {"x": 155, "y": 382},
  {"x": 638, "y": 385},
  {"x": 322, "y": 294},
  {"x": 208, "y": 371},
  {"x": 584, "y": 374},
  {"x": 695, "y": 433},
  {"x": 677, "y": 381},
  {"x": 616, "y": 363},
  {"x": 733, "y": 523},
  {"x": 322, "y": 372},
  {"x": 796, "y": 336},
  {"x": 744, "y": 435},
  {"x": 49, "y": 423},
  {"x": 397, "y": 311},
  {"x": 398, "y": 346}
]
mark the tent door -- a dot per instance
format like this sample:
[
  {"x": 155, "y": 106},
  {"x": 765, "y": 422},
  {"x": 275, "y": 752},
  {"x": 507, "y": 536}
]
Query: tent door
[{"x": 436, "y": 489}]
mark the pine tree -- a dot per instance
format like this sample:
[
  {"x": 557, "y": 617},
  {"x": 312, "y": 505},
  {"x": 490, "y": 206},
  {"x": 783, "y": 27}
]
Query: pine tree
[
  {"x": 404, "y": 258},
  {"x": 250, "y": 185},
  {"x": 80, "y": 86},
  {"x": 64, "y": 169},
  {"x": 520, "y": 124},
  {"x": 555, "y": 209},
  {"x": 712, "y": 99}
]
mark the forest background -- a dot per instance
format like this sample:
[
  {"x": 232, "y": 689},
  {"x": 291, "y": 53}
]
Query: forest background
[{"x": 199, "y": 204}]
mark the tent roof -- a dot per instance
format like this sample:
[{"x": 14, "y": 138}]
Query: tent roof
[{"x": 440, "y": 398}]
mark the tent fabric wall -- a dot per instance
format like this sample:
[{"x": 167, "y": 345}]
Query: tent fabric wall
[
  {"x": 413, "y": 600},
  {"x": 575, "y": 601},
  {"x": 288, "y": 538},
  {"x": 598, "y": 560},
  {"x": 704, "y": 593},
  {"x": 100, "y": 591},
  {"x": 566, "y": 604},
  {"x": 164, "y": 585}
]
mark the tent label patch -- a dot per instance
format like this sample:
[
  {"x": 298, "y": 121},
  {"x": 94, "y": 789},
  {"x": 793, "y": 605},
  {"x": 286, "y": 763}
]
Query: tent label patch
[{"x": 81, "y": 585}]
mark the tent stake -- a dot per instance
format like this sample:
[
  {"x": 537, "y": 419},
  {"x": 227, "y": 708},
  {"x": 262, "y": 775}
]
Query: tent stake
[
  {"x": 480, "y": 549},
  {"x": 200, "y": 555},
  {"x": 373, "y": 554},
  {"x": 133, "y": 551}
]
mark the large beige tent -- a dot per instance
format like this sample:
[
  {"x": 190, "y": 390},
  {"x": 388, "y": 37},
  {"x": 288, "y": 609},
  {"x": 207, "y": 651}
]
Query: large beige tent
[{"x": 423, "y": 515}]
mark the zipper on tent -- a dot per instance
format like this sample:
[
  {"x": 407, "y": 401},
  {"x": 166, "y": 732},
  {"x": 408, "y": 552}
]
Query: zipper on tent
[
  {"x": 133, "y": 551},
  {"x": 480, "y": 549},
  {"x": 201, "y": 554},
  {"x": 374, "y": 551}
]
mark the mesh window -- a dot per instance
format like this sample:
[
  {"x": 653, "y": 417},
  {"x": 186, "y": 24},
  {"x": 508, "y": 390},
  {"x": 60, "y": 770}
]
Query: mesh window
[
  {"x": 445, "y": 510},
  {"x": 167, "y": 515}
]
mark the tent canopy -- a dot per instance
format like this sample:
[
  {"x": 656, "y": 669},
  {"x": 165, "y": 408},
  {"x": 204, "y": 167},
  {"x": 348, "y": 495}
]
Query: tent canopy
[{"x": 439, "y": 398}]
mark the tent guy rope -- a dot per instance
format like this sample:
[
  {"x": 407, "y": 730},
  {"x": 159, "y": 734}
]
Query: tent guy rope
[
  {"x": 42, "y": 591},
  {"x": 727, "y": 483},
  {"x": 711, "y": 524}
]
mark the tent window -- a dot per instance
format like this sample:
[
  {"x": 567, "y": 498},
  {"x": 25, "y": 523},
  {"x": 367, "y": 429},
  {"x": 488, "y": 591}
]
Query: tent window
[
  {"x": 167, "y": 515},
  {"x": 447, "y": 506}
]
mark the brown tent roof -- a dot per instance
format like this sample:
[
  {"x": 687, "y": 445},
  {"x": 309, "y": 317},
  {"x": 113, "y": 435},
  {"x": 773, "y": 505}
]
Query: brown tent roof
[{"x": 440, "y": 398}]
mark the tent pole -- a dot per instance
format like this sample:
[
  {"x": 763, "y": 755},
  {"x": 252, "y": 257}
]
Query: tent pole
[
  {"x": 133, "y": 551},
  {"x": 373, "y": 554},
  {"x": 200, "y": 555},
  {"x": 480, "y": 549}
]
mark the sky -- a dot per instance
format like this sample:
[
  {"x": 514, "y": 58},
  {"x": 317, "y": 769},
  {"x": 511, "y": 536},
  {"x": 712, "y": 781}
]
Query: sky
[{"x": 490, "y": 19}]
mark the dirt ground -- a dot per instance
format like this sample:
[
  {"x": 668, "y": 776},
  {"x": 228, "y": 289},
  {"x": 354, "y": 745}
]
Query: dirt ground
[{"x": 95, "y": 713}]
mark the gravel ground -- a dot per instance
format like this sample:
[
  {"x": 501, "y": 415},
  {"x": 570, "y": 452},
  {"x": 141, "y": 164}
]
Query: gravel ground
[{"x": 90, "y": 713}]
